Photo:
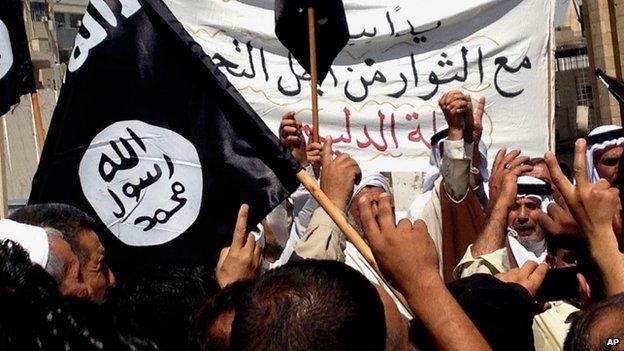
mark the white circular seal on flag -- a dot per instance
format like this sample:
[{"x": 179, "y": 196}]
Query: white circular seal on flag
[
  {"x": 6, "y": 53},
  {"x": 143, "y": 181}
]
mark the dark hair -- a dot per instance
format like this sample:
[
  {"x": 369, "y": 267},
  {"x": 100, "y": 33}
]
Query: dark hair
[
  {"x": 35, "y": 317},
  {"x": 203, "y": 337},
  {"x": 159, "y": 303},
  {"x": 580, "y": 335},
  {"x": 535, "y": 161},
  {"x": 310, "y": 305},
  {"x": 68, "y": 219}
]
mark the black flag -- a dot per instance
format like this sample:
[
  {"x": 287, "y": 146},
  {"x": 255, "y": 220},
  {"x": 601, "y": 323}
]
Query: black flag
[
  {"x": 16, "y": 71},
  {"x": 332, "y": 31},
  {"x": 615, "y": 86},
  {"x": 151, "y": 140}
]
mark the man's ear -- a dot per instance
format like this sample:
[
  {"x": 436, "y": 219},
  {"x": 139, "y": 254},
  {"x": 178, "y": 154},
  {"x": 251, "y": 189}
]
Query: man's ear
[{"x": 584, "y": 290}]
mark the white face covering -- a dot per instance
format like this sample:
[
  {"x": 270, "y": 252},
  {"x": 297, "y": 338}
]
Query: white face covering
[{"x": 524, "y": 252}]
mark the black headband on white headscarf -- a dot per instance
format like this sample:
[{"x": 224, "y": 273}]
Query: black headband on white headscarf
[{"x": 529, "y": 186}]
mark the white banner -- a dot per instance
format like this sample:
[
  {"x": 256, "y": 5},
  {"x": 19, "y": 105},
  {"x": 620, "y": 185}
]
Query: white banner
[{"x": 379, "y": 102}]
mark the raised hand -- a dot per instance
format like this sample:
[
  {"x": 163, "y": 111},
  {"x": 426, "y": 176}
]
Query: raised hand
[
  {"x": 455, "y": 104},
  {"x": 475, "y": 122},
  {"x": 593, "y": 207},
  {"x": 531, "y": 276},
  {"x": 292, "y": 138},
  {"x": 338, "y": 176},
  {"x": 506, "y": 169},
  {"x": 407, "y": 257},
  {"x": 313, "y": 152},
  {"x": 243, "y": 259},
  {"x": 405, "y": 253},
  {"x": 559, "y": 220}
]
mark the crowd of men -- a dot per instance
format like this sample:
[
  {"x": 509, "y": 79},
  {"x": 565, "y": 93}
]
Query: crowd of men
[{"x": 522, "y": 255}]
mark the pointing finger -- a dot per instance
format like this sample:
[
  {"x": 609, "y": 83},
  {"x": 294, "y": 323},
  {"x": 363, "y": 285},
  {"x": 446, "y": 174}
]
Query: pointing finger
[
  {"x": 369, "y": 223},
  {"x": 559, "y": 179},
  {"x": 326, "y": 152},
  {"x": 580, "y": 163},
  {"x": 240, "y": 230}
]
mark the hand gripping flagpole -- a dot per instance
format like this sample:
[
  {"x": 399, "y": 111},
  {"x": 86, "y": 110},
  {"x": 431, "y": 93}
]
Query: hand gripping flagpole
[
  {"x": 334, "y": 32},
  {"x": 354, "y": 238}
]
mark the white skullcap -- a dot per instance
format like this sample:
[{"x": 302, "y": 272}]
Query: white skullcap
[
  {"x": 33, "y": 239},
  {"x": 375, "y": 179},
  {"x": 592, "y": 148}
]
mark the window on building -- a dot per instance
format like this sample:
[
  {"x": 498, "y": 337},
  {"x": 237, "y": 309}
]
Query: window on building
[
  {"x": 59, "y": 18},
  {"x": 64, "y": 56},
  {"x": 75, "y": 21},
  {"x": 39, "y": 11},
  {"x": 585, "y": 95},
  {"x": 568, "y": 63}
]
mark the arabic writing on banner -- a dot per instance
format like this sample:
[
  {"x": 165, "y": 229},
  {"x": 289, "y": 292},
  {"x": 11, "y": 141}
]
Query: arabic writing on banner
[{"x": 379, "y": 101}]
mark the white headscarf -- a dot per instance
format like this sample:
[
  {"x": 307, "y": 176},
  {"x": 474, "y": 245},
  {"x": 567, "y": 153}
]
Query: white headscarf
[
  {"x": 537, "y": 251},
  {"x": 375, "y": 179},
  {"x": 545, "y": 200},
  {"x": 33, "y": 239},
  {"x": 591, "y": 168}
]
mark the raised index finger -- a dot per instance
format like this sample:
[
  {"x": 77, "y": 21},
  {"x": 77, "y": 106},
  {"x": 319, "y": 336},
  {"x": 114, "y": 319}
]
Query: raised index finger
[
  {"x": 539, "y": 274},
  {"x": 559, "y": 179},
  {"x": 498, "y": 160},
  {"x": 478, "y": 113},
  {"x": 240, "y": 230},
  {"x": 326, "y": 152},
  {"x": 386, "y": 212},
  {"x": 369, "y": 222},
  {"x": 580, "y": 163}
]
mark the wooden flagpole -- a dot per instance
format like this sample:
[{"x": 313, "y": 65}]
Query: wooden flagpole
[
  {"x": 344, "y": 226},
  {"x": 37, "y": 121},
  {"x": 337, "y": 217},
  {"x": 313, "y": 187},
  {"x": 314, "y": 79},
  {"x": 4, "y": 198}
]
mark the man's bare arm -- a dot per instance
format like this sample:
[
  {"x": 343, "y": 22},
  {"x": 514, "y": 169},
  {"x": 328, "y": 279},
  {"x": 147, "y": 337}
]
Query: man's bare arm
[
  {"x": 593, "y": 207},
  {"x": 407, "y": 257},
  {"x": 502, "y": 197}
]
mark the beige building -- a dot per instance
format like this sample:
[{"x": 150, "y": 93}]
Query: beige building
[
  {"x": 51, "y": 27},
  {"x": 604, "y": 30},
  {"x": 573, "y": 89}
]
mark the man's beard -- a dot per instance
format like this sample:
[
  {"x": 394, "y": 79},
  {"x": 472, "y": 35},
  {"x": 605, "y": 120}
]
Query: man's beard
[{"x": 533, "y": 244}]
